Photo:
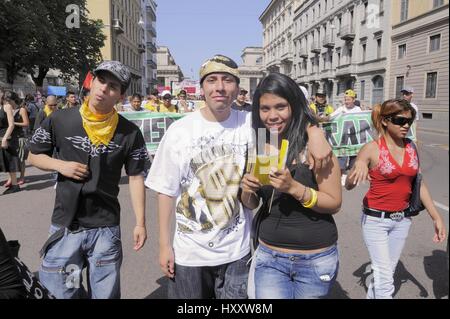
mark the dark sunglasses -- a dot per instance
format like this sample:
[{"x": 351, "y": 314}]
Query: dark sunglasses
[
  {"x": 52, "y": 104},
  {"x": 401, "y": 121}
]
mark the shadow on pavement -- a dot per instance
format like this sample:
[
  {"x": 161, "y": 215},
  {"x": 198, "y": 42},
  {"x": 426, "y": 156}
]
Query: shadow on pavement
[
  {"x": 161, "y": 292},
  {"x": 37, "y": 178},
  {"x": 337, "y": 292},
  {"x": 401, "y": 276},
  {"x": 436, "y": 268},
  {"x": 39, "y": 186},
  {"x": 123, "y": 180}
]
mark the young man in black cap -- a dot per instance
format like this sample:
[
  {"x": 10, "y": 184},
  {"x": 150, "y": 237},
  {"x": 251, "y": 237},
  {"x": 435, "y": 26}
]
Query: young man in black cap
[
  {"x": 197, "y": 172},
  {"x": 93, "y": 144},
  {"x": 240, "y": 104}
]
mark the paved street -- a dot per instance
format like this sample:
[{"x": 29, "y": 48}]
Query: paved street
[{"x": 422, "y": 272}]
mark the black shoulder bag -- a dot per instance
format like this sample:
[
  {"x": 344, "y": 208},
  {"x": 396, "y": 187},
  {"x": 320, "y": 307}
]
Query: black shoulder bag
[{"x": 415, "y": 204}]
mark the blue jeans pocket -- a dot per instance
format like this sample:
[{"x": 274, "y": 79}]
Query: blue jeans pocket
[
  {"x": 326, "y": 267},
  {"x": 114, "y": 233}
]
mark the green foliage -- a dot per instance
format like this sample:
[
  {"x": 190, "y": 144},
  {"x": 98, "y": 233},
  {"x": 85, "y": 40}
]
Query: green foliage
[{"x": 34, "y": 38}]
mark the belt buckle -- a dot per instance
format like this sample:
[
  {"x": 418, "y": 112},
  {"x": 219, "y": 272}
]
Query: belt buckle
[{"x": 397, "y": 216}]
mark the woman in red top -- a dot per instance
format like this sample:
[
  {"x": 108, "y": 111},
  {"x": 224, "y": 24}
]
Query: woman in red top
[{"x": 391, "y": 164}]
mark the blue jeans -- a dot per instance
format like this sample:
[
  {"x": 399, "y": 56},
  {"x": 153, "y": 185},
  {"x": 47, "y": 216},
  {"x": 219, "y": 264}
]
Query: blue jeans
[
  {"x": 294, "y": 276},
  {"x": 385, "y": 239},
  {"x": 228, "y": 281},
  {"x": 346, "y": 162},
  {"x": 100, "y": 249}
]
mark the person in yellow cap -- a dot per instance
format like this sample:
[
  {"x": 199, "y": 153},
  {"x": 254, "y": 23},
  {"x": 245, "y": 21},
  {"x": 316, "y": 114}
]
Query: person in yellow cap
[
  {"x": 347, "y": 162},
  {"x": 321, "y": 108},
  {"x": 197, "y": 172}
]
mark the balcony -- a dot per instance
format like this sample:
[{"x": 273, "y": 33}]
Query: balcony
[
  {"x": 315, "y": 47},
  {"x": 303, "y": 53},
  {"x": 347, "y": 32},
  {"x": 327, "y": 74},
  {"x": 151, "y": 29},
  {"x": 328, "y": 42},
  {"x": 141, "y": 48},
  {"x": 287, "y": 56},
  {"x": 345, "y": 70},
  {"x": 117, "y": 26},
  {"x": 151, "y": 47},
  {"x": 151, "y": 64}
]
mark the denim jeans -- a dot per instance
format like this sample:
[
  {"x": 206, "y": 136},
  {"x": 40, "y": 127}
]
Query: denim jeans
[
  {"x": 228, "y": 281},
  {"x": 346, "y": 162},
  {"x": 294, "y": 276},
  {"x": 98, "y": 249},
  {"x": 385, "y": 239}
]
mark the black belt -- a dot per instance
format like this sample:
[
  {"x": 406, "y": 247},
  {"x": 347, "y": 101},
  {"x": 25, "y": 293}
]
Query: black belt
[{"x": 392, "y": 215}]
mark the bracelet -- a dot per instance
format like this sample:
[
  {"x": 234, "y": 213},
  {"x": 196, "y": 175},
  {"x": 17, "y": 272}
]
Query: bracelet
[
  {"x": 303, "y": 195},
  {"x": 313, "y": 201},
  {"x": 310, "y": 199}
]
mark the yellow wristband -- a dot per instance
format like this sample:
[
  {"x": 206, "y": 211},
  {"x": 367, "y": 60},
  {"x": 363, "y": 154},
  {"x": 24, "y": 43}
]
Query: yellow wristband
[
  {"x": 313, "y": 201},
  {"x": 308, "y": 202}
]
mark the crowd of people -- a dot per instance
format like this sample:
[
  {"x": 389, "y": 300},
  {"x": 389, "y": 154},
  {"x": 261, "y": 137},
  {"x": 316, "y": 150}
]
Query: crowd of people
[{"x": 205, "y": 186}]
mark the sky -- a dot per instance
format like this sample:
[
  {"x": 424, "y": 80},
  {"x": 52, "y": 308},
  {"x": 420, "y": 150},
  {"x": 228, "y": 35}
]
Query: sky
[{"x": 195, "y": 30}]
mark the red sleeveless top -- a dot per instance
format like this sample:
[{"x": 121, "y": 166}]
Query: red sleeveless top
[{"x": 390, "y": 185}]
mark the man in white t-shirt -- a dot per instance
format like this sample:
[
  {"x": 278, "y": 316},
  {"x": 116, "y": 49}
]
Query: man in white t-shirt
[
  {"x": 346, "y": 162},
  {"x": 197, "y": 172}
]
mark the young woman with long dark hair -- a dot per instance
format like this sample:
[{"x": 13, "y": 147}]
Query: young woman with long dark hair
[{"x": 297, "y": 256}]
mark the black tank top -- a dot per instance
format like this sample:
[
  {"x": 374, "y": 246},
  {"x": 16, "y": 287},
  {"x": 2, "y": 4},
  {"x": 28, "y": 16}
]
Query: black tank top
[{"x": 292, "y": 226}]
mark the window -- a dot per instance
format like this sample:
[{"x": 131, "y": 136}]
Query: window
[
  {"x": 364, "y": 50},
  {"x": 399, "y": 84},
  {"x": 435, "y": 43},
  {"x": 381, "y": 5},
  {"x": 404, "y": 10},
  {"x": 378, "y": 48},
  {"x": 366, "y": 6},
  {"x": 431, "y": 85},
  {"x": 350, "y": 55},
  {"x": 363, "y": 90},
  {"x": 437, "y": 3},
  {"x": 351, "y": 21},
  {"x": 401, "y": 51},
  {"x": 339, "y": 59}
]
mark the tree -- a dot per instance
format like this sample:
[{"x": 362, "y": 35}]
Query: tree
[
  {"x": 34, "y": 38},
  {"x": 74, "y": 50},
  {"x": 20, "y": 29}
]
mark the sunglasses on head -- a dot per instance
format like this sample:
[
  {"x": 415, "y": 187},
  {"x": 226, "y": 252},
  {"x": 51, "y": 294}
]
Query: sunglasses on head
[{"x": 401, "y": 121}]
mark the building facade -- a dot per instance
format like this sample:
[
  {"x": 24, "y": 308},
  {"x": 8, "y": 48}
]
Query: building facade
[
  {"x": 419, "y": 55},
  {"x": 150, "y": 44},
  {"x": 342, "y": 44},
  {"x": 277, "y": 22},
  {"x": 124, "y": 25},
  {"x": 251, "y": 70},
  {"x": 168, "y": 72}
]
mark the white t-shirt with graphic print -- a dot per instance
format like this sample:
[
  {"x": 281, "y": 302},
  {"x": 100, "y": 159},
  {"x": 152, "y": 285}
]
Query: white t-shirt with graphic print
[{"x": 201, "y": 163}]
